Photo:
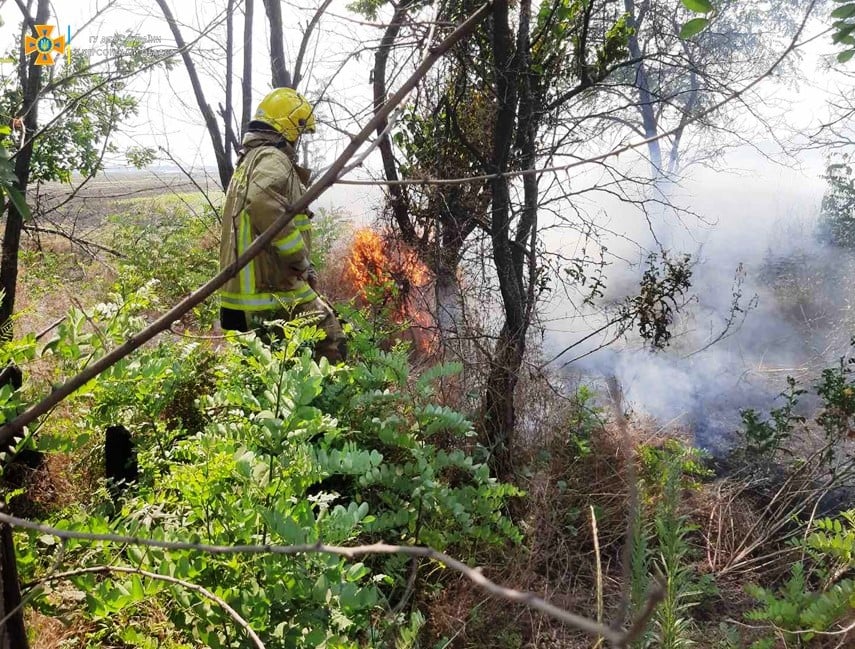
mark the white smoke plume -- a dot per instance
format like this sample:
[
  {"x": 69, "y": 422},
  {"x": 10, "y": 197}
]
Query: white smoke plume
[{"x": 756, "y": 235}]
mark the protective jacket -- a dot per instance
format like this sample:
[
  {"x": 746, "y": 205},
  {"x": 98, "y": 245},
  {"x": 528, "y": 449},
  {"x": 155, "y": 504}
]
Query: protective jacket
[{"x": 266, "y": 181}]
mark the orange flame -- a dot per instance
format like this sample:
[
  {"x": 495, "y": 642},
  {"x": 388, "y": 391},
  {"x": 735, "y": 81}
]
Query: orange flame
[{"x": 379, "y": 263}]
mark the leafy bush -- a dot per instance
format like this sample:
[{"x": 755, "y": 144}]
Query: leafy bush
[
  {"x": 819, "y": 594},
  {"x": 171, "y": 241},
  {"x": 837, "y": 217},
  {"x": 284, "y": 451},
  {"x": 766, "y": 437}
]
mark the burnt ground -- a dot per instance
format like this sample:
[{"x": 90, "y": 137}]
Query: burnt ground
[
  {"x": 65, "y": 257},
  {"x": 86, "y": 207}
]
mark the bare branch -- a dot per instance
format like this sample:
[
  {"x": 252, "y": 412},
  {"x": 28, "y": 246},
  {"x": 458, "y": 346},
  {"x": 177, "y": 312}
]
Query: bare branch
[
  {"x": 232, "y": 613},
  {"x": 616, "y": 637},
  {"x": 224, "y": 163},
  {"x": 304, "y": 42},
  {"x": 83, "y": 243},
  {"x": 614, "y": 153},
  {"x": 192, "y": 180}
]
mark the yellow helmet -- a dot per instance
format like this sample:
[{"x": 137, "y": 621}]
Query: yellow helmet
[{"x": 288, "y": 112}]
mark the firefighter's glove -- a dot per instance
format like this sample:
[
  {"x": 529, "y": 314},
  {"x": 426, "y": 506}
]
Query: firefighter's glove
[{"x": 312, "y": 278}]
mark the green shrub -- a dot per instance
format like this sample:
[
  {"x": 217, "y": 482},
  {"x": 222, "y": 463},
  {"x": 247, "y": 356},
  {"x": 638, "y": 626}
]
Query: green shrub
[
  {"x": 662, "y": 544},
  {"x": 172, "y": 242},
  {"x": 289, "y": 452},
  {"x": 819, "y": 594},
  {"x": 837, "y": 217}
]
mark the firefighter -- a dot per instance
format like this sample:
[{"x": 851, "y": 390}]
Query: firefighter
[{"x": 280, "y": 283}]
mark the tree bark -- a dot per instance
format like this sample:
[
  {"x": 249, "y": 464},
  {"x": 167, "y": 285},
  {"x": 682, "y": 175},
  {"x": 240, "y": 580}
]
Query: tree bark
[
  {"x": 31, "y": 78},
  {"x": 246, "y": 81},
  {"x": 227, "y": 111},
  {"x": 498, "y": 413},
  {"x": 13, "y": 635},
  {"x": 449, "y": 299},
  {"x": 397, "y": 194},
  {"x": 645, "y": 97},
  {"x": 279, "y": 72}
]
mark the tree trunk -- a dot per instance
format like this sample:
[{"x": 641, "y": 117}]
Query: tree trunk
[
  {"x": 227, "y": 110},
  {"x": 13, "y": 635},
  {"x": 398, "y": 196},
  {"x": 246, "y": 81},
  {"x": 279, "y": 72},
  {"x": 497, "y": 410},
  {"x": 31, "y": 78},
  {"x": 645, "y": 98},
  {"x": 222, "y": 155},
  {"x": 449, "y": 303},
  {"x": 689, "y": 106},
  {"x": 513, "y": 257}
]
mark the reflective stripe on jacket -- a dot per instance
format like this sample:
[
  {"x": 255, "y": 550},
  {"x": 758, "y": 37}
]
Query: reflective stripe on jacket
[{"x": 265, "y": 181}]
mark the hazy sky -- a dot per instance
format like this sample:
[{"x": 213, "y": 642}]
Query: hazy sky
[{"x": 340, "y": 58}]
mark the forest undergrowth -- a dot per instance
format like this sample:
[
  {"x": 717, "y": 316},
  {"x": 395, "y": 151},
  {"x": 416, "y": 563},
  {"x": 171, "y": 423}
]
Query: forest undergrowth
[{"x": 238, "y": 443}]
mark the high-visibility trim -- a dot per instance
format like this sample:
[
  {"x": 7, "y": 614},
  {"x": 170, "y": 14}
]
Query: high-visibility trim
[
  {"x": 302, "y": 222},
  {"x": 247, "y": 273},
  {"x": 290, "y": 244},
  {"x": 267, "y": 301}
]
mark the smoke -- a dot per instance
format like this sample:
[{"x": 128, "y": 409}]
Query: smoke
[{"x": 768, "y": 300}]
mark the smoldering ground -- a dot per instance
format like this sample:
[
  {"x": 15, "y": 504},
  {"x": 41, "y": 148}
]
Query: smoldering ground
[{"x": 769, "y": 299}]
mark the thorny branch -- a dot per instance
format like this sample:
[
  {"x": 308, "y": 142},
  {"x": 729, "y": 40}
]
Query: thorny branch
[{"x": 616, "y": 636}]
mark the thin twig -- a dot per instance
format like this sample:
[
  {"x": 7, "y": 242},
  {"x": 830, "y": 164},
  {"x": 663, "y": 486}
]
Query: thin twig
[
  {"x": 304, "y": 41},
  {"x": 44, "y": 332},
  {"x": 794, "y": 45},
  {"x": 232, "y": 613},
  {"x": 616, "y": 394},
  {"x": 83, "y": 243},
  {"x": 614, "y": 635},
  {"x": 637, "y": 628},
  {"x": 190, "y": 177},
  {"x": 599, "y": 566}
]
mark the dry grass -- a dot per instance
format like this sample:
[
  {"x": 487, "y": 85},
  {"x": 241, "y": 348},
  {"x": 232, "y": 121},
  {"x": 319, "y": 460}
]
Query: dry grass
[
  {"x": 53, "y": 633},
  {"x": 55, "y": 274},
  {"x": 740, "y": 538},
  {"x": 59, "y": 482}
]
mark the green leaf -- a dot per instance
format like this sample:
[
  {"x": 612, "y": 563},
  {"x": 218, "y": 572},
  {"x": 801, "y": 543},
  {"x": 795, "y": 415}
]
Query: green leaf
[
  {"x": 844, "y": 57},
  {"x": 698, "y": 6},
  {"x": 693, "y": 27},
  {"x": 18, "y": 201},
  {"x": 845, "y": 11}
]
